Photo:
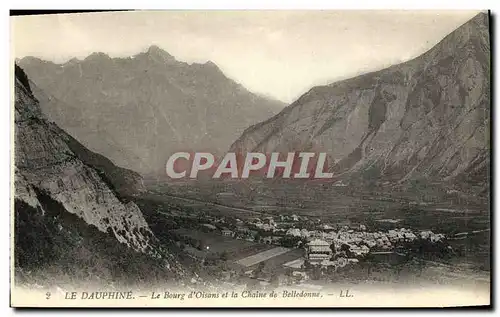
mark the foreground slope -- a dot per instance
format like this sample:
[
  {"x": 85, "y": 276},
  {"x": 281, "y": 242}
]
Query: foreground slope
[{"x": 428, "y": 118}]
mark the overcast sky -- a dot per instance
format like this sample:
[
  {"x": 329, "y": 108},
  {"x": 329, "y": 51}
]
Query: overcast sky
[{"x": 277, "y": 53}]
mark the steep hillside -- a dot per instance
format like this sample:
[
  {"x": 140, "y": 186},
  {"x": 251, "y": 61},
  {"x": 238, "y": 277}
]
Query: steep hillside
[
  {"x": 138, "y": 110},
  {"x": 428, "y": 118},
  {"x": 64, "y": 193}
]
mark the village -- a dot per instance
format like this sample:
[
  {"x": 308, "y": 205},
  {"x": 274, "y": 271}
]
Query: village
[{"x": 291, "y": 249}]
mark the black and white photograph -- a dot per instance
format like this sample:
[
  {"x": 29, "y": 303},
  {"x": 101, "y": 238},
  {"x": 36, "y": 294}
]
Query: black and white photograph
[{"x": 251, "y": 158}]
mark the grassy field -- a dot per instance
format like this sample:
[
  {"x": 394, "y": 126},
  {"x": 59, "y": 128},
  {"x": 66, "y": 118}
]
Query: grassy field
[
  {"x": 318, "y": 199},
  {"x": 241, "y": 250},
  {"x": 196, "y": 203}
]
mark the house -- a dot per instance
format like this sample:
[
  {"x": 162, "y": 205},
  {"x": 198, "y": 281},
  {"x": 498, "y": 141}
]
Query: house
[
  {"x": 243, "y": 229},
  {"x": 226, "y": 232},
  {"x": 318, "y": 250},
  {"x": 305, "y": 233},
  {"x": 225, "y": 194},
  {"x": 293, "y": 232},
  {"x": 339, "y": 184},
  {"x": 317, "y": 234},
  {"x": 328, "y": 263},
  {"x": 327, "y": 227}
]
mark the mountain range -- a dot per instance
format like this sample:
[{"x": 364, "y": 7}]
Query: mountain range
[
  {"x": 71, "y": 214},
  {"x": 137, "y": 111},
  {"x": 425, "y": 119}
]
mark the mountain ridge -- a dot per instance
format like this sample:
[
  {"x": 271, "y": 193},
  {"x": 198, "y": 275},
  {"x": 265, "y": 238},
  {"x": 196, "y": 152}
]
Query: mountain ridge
[{"x": 387, "y": 118}]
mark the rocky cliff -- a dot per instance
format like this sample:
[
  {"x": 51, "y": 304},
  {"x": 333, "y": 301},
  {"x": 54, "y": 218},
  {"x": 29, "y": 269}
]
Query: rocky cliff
[
  {"x": 125, "y": 182},
  {"x": 427, "y": 118},
  {"x": 47, "y": 161},
  {"x": 73, "y": 221},
  {"x": 136, "y": 111}
]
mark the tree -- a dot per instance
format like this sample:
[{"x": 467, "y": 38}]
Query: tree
[
  {"x": 259, "y": 270},
  {"x": 307, "y": 265},
  {"x": 252, "y": 284},
  {"x": 274, "y": 282}
]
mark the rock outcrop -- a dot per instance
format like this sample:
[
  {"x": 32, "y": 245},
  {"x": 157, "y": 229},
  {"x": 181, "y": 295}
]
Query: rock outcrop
[
  {"x": 48, "y": 161},
  {"x": 73, "y": 221}
]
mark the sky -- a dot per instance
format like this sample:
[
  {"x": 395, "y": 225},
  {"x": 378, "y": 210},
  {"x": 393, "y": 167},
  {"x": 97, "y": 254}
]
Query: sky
[{"x": 280, "y": 54}]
